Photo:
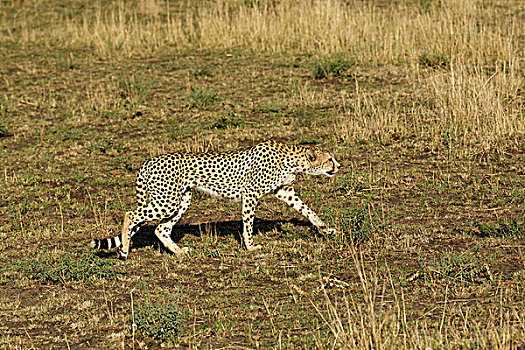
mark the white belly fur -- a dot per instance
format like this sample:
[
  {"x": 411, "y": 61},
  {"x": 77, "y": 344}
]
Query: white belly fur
[
  {"x": 214, "y": 194},
  {"x": 208, "y": 191}
]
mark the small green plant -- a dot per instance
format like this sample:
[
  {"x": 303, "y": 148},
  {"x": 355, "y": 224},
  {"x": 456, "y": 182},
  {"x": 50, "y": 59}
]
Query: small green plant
[
  {"x": 159, "y": 318},
  {"x": 180, "y": 128},
  {"x": 350, "y": 182},
  {"x": 354, "y": 224},
  {"x": 458, "y": 267},
  {"x": 225, "y": 122},
  {"x": 255, "y": 3},
  {"x": 335, "y": 65},
  {"x": 425, "y": 4},
  {"x": 434, "y": 61},
  {"x": 309, "y": 141},
  {"x": 106, "y": 146},
  {"x": 66, "y": 64},
  {"x": 64, "y": 266},
  {"x": 267, "y": 109},
  {"x": 213, "y": 253},
  {"x": 202, "y": 71},
  {"x": 4, "y": 114},
  {"x": 301, "y": 116},
  {"x": 502, "y": 228},
  {"x": 3, "y": 129},
  {"x": 134, "y": 87},
  {"x": 449, "y": 136},
  {"x": 65, "y": 133},
  {"x": 203, "y": 98}
]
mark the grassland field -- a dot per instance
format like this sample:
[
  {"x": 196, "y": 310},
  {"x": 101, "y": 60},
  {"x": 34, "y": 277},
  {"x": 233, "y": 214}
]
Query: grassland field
[{"x": 421, "y": 101}]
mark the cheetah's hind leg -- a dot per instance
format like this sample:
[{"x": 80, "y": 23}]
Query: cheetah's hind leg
[
  {"x": 132, "y": 222},
  {"x": 122, "y": 240},
  {"x": 163, "y": 230},
  {"x": 131, "y": 225}
]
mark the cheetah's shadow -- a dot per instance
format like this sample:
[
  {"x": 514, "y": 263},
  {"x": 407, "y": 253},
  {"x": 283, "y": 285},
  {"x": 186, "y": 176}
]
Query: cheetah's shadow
[{"x": 146, "y": 237}]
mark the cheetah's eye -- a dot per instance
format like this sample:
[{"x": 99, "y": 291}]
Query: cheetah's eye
[{"x": 310, "y": 155}]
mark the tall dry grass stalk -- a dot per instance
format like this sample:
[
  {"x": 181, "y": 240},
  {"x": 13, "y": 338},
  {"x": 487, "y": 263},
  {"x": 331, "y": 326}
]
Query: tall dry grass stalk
[
  {"x": 471, "y": 105},
  {"x": 366, "y": 116},
  {"x": 378, "y": 320},
  {"x": 473, "y": 108},
  {"x": 462, "y": 30},
  {"x": 467, "y": 109},
  {"x": 457, "y": 29}
]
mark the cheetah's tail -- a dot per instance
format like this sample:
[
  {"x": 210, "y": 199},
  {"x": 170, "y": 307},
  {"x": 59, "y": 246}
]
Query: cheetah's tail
[{"x": 106, "y": 243}]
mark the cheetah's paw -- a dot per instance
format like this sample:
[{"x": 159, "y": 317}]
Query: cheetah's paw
[
  {"x": 181, "y": 251},
  {"x": 328, "y": 231}
]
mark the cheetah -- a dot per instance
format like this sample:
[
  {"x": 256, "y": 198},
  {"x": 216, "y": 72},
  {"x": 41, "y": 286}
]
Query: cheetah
[{"x": 164, "y": 187}]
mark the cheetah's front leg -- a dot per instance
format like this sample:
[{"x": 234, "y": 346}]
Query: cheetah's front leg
[
  {"x": 249, "y": 202},
  {"x": 287, "y": 194}
]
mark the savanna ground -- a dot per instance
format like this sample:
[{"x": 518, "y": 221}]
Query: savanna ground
[{"x": 421, "y": 101}]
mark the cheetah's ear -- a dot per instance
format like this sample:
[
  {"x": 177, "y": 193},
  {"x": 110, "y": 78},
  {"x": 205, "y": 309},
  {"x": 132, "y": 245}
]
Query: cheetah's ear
[{"x": 311, "y": 155}]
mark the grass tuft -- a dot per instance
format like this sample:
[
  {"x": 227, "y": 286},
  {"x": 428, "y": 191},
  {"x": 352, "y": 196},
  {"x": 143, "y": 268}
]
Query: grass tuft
[
  {"x": 354, "y": 224},
  {"x": 226, "y": 122},
  {"x": 66, "y": 64},
  {"x": 134, "y": 87},
  {"x": 4, "y": 114},
  {"x": 3, "y": 129},
  {"x": 457, "y": 267},
  {"x": 512, "y": 229},
  {"x": 159, "y": 318},
  {"x": 202, "y": 71},
  {"x": 203, "y": 98},
  {"x": 254, "y": 3},
  {"x": 350, "y": 183},
  {"x": 335, "y": 65},
  {"x": 425, "y": 4},
  {"x": 105, "y": 146},
  {"x": 434, "y": 61},
  {"x": 61, "y": 266}
]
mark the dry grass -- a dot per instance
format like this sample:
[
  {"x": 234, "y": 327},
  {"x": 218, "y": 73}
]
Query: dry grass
[
  {"x": 476, "y": 107},
  {"x": 467, "y": 109},
  {"x": 379, "y": 320},
  {"x": 472, "y": 105},
  {"x": 463, "y": 31}
]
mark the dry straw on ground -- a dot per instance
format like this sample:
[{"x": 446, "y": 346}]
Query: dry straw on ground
[
  {"x": 472, "y": 105},
  {"x": 464, "y": 31}
]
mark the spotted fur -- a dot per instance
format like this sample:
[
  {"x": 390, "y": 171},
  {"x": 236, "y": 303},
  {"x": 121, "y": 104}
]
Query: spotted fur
[{"x": 165, "y": 183}]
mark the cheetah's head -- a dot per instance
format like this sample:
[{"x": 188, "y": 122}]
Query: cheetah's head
[{"x": 320, "y": 162}]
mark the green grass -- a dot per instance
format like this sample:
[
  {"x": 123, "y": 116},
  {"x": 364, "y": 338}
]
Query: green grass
[
  {"x": 202, "y": 98},
  {"x": 202, "y": 71},
  {"x": 434, "y": 61},
  {"x": 3, "y": 130},
  {"x": 332, "y": 66},
  {"x": 134, "y": 87},
  {"x": 356, "y": 224},
  {"x": 60, "y": 266},
  {"x": 506, "y": 229},
  {"x": 459, "y": 267},
  {"x": 66, "y": 63},
  {"x": 4, "y": 114},
  {"x": 224, "y": 122},
  {"x": 159, "y": 317}
]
